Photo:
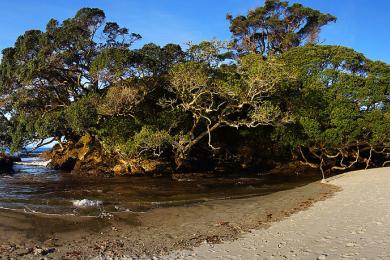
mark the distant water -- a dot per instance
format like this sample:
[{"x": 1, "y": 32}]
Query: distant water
[
  {"x": 34, "y": 187},
  {"x": 36, "y": 151},
  {"x": 28, "y": 151}
]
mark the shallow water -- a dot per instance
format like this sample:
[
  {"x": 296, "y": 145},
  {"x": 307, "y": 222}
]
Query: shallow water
[{"x": 34, "y": 187}]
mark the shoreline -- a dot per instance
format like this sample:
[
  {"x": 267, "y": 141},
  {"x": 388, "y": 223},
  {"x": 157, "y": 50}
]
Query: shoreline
[
  {"x": 156, "y": 232},
  {"x": 354, "y": 224}
]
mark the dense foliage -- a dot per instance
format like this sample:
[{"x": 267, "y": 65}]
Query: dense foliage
[
  {"x": 342, "y": 110},
  {"x": 276, "y": 27},
  {"x": 272, "y": 92}
]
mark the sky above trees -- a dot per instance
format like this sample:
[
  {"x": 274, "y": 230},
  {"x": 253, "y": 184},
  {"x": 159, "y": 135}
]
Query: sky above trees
[{"x": 362, "y": 24}]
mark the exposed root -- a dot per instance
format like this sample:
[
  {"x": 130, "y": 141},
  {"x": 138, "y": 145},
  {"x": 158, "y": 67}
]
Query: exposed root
[{"x": 344, "y": 158}]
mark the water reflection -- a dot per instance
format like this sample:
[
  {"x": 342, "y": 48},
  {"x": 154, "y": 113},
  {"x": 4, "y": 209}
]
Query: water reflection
[{"x": 37, "y": 188}]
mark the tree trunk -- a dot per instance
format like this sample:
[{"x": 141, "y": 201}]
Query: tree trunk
[{"x": 182, "y": 154}]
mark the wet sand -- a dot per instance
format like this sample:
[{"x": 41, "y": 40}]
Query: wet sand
[
  {"x": 156, "y": 232},
  {"x": 353, "y": 224}
]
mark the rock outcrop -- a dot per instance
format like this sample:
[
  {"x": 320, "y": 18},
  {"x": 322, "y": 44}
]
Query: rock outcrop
[{"x": 87, "y": 156}]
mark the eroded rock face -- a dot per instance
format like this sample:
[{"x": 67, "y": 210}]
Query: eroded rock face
[
  {"x": 87, "y": 156},
  {"x": 84, "y": 156},
  {"x": 142, "y": 167}
]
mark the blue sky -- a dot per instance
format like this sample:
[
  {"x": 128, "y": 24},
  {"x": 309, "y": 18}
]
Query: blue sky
[{"x": 362, "y": 24}]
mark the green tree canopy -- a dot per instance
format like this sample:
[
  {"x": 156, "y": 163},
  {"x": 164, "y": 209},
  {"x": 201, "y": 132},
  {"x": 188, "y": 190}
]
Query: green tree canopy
[
  {"x": 341, "y": 108},
  {"x": 45, "y": 72},
  {"x": 276, "y": 27}
]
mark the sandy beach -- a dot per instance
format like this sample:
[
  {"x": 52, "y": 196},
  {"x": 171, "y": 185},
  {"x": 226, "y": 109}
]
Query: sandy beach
[
  {"x": 348, "y": 216},
  {"x": 25, "y": 235},
  {"x": 353, "y": 224}
]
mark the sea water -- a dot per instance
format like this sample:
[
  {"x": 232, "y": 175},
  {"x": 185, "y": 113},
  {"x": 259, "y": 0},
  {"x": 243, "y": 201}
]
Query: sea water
[{"x": 34, "y": 187}]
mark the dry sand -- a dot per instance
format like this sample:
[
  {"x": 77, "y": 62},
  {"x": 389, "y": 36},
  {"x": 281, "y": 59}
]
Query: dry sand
[{"x": 353, "y": 224}]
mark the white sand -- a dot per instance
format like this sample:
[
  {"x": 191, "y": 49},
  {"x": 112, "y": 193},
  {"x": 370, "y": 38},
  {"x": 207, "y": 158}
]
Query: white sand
[{"x": 354, "y": 224}]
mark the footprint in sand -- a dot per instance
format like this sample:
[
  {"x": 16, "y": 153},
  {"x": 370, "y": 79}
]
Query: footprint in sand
[{"x": 351, "y": 244}]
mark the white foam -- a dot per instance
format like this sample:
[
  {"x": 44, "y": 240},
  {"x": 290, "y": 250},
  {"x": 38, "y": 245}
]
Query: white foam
[
  {"x": 86, "y": 203},
  {"x": 34, "y": 163}
]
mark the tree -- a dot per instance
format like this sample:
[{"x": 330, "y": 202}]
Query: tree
[
  {"x": 341, "y": 110},
  {"x": 4, "y": 133},
  {"x": 81, "y": 83},
  {"x": 276, "y": 27},
  {"x": 210, "y": 52},
  {"x": 45, "y": 72},
  {"x": 240, "y": 96},
  {"x": 132, "y": 105}
]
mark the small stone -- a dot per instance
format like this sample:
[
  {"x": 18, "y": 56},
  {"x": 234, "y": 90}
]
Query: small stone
[
  {"x": 38, "y": 251},
  {"x": 42, "y": 251},
  {"x": 322, "y": 257}
]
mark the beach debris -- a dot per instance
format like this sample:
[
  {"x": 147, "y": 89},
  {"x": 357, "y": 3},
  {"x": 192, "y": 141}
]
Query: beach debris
[
  {"x": 105, "y": 215},
  {"x": 38, "y": 251},
  {"x": 214, "y": 239},
  {"x": 222, "y": 223},
  {"x": 351, "y": 244}
]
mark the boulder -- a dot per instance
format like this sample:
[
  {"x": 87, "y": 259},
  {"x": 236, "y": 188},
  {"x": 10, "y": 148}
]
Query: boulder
[{"x": 6, "y": 163}]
